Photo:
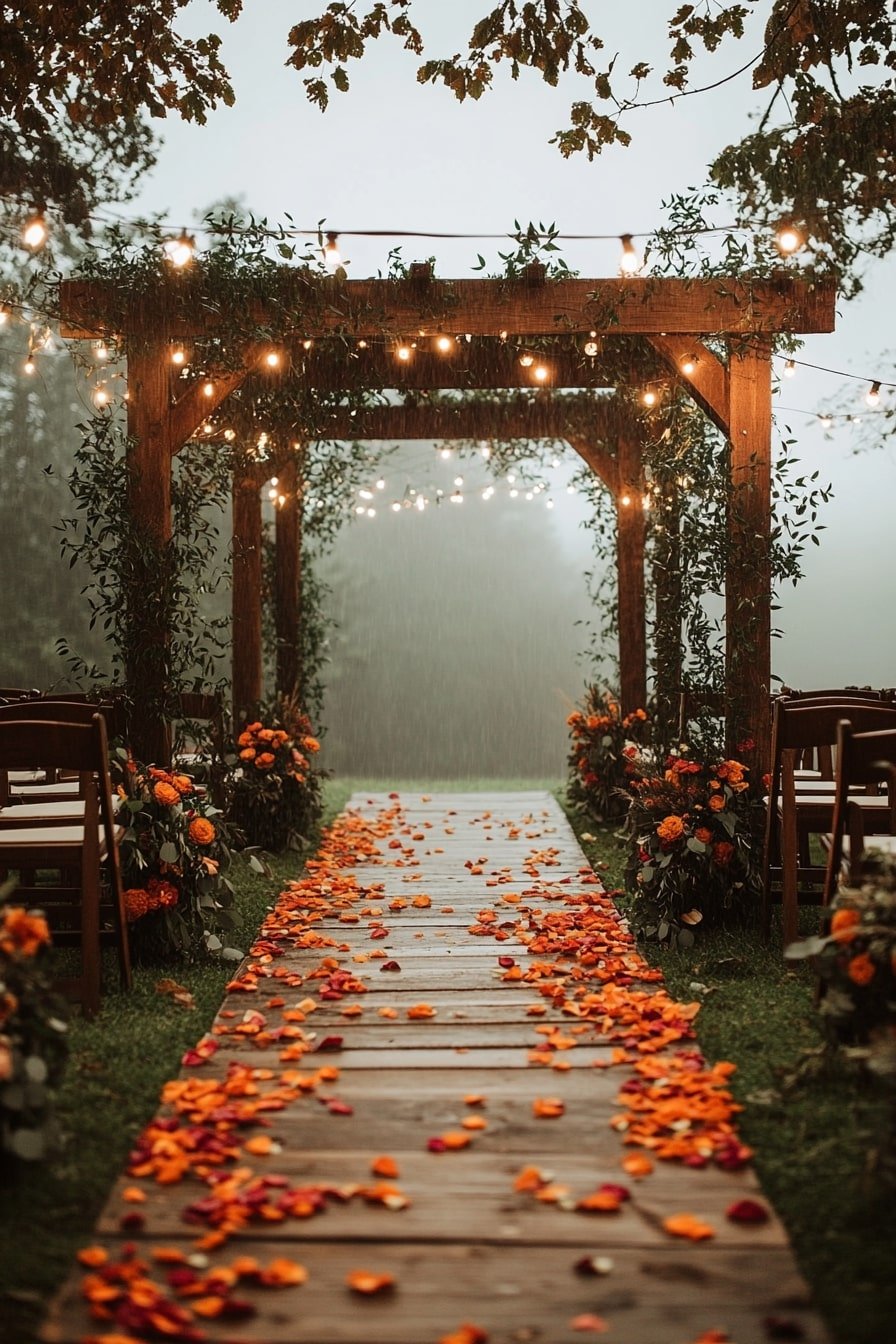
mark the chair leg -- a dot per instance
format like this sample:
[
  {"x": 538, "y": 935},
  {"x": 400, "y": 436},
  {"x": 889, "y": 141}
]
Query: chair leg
[
  {"x": 789, "y": 883},
  {"x": 91, "y": 963}
]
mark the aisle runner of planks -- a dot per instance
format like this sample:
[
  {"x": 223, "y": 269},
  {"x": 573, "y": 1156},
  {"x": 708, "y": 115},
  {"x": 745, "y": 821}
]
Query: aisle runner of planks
[{"x": 432, "y": 1111}]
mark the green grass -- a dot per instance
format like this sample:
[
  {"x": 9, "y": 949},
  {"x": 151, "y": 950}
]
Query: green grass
[{"x": 811, "y": 1138}]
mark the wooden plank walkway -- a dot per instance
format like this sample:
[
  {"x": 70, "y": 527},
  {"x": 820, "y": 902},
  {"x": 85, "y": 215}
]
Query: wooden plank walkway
[{"x": 448, "y": 970}]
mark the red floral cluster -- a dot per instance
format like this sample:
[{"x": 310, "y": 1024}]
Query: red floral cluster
[{"x": 157, "y": 894}]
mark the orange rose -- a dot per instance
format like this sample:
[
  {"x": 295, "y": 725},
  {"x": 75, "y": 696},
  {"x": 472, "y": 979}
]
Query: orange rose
[
  {"x": 670, "y": 829},
  {"x": 592, "y": 723},
  {"x": 861, "y": 969},
  {"x": 717, "y": 802},
  {"x": 201, "y": 831},
  {"x": 183, "y": 784},
  {"x": 166, "y": 794},
  {"x": 248, "y": 754},
  {"x": 264, "y": 760},
  {"x": 311, "y": 744},
  {"x": 244, "y": 739},
  {"x": 844, "y": 923},
  {"x": 22, "y": 934},
  {"x": 574, "y": 718}
]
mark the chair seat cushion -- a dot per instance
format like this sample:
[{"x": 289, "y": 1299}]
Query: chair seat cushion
[{"x": 62, "y": 812}]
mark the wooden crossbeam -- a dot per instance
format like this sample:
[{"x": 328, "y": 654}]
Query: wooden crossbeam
[{"x": 406, "y": 308}]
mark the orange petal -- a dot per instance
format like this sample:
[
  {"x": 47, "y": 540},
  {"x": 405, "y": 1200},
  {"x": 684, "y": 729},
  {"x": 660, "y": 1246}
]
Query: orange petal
[
  {"x": 93, "y": 1256},
  {"x": 637, "y": 1165},
  {"x": 686, "y": 1225},
  {"x": 548, "y": 1108},
  {"x": 363, "y": 1281},
  {"x": 384, "y": 1166},
  {"x": 474, "y": 1122}
]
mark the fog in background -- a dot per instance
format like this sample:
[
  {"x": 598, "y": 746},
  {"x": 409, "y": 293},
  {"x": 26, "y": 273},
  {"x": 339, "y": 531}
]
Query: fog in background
[{"x": 457, "y": 640}]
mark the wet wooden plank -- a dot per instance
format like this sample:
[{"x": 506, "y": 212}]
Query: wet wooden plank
[{"x": 515, "y": 1293}]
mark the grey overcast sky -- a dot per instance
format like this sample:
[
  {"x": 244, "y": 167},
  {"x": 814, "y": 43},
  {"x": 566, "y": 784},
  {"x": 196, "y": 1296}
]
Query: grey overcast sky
[{"x": 393, "y": 155}]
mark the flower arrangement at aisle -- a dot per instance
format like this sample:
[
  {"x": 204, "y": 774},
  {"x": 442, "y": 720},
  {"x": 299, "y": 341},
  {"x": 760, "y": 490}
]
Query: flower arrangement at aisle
[
  {"x": 175, "y": 853},
  {"x": 33, "y": 1040},
  {"x": 604, "y": 755},
  {"x": 275, "y": 796},
  {"x": 695, "y": 845}
]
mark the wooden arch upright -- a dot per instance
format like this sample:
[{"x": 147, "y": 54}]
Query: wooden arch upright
[{"x": 672, "y": 315}]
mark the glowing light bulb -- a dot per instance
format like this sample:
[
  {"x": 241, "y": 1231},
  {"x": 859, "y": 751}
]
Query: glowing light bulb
[
  {"x": 591, "y": 349},
  {"x": 511, "y": 478},
  {"x": 101, "y": 397},
  {"x": 541, "y": 373},
  {"x": 4, "y": 315},
  {"x": 365, "y": 494},
  {"x": 645, "y": 503},
  {"x": 555, "y": 461},
  {"x": 444, "y": 344},
  {"x": 179, "y": 251},
  {"x": 529, "y": 496},
  {"x": 272, "y": 494},
  {"x": 790, "y": 369},
  {"x": 825, "y": 421},
  {"x": 371, "y": 513},
  {"x": 458, "y": 480},
  {"x": 485, "y": 451},
  {"x": 275, "y": 480},
  {"x": 396, "y": 507},
  {"x": 178, "y": 357},
  {"x": 629, "y": 262},
  {"x": 381, "y": 484},
  {"x": 101, "y": 352},
  {"x": 29, "y": 366},
  {"x": 230, "y": 435},
  {"x": 456, "y": 497},
  {"x": 445, "y": 454},
  {"x": 403, "y": 352},
  {"x": 526, "y": 360},
  {"x": 332, "y": 257},
  {"x": 208, "y": 389},
  {"x": 514, "y": 493},
  {"x": 688, "y": 365},
  {"x": 570, "y": 489},
  {"x": 650, "y": 397},
  {"x": 34, "y": 234},
  {"x": 789, "y": 239},
  {"x": 419, "y": 503},
  {"x": 549, "y": 503},
  {"x": 360, "y": 510},
  {"x": 625, "y": 501},
  {"x": 362, "y": 345},
  {"x": 872, "y": 396},
  {"x": 272, "y": 359}
]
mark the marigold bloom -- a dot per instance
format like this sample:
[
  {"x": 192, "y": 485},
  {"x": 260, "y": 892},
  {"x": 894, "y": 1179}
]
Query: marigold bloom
[
  {"x": 310, "y": 744},
  {"x": 201, "y": 831},
  {"x": 704, "y": 835},
  {"x": 137, "y": 903},
  {"x": 244, "y": 739},
  {"x": 264, "y": 760},
  {"x": 183, "y": 784},
  {"x": 22, "y": 934},
  {"x": 166, "y": 794},
  {"x": 861, "y": 969},
  {"x": 248, "y": 754},
  {"x": 670, "y": 829},
  {"x": 717, "y": 802},
  {"x": 161, "y": 892},
  {"x": 844, "y": 924}
]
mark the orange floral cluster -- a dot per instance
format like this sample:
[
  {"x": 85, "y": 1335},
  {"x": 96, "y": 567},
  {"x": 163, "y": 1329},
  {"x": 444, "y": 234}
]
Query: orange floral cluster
[
  {"x": 604, "y": 751},
  {"x": 22, "y": 934},
  {"x": 266, "y": 748},
  {"x": 158, "y": 894},
  {"x": 681, "y": 1110},
  {"x": 125, "y": 1293},
  {"x": 169, "y": 789}
]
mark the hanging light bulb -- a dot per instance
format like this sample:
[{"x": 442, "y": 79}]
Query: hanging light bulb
[
  {"x": 456, "y": 497},
  {"x": 396, "y": 506},
  {"x": 541, "y": 373},
  {"x": 360, "y": 510},
  {"x": 527, "y": 360},
  {"x": 649, "y": 397},
  {"x": 789, "y": 239},
  {"x": 178, "y": 356},
  {"x": 629, "y": 262},
  {"x": 591, "y": 348},
  {"x": 365, "y": 494},
  {"x": 208, "y": 389},
  {"x": 101, "y": 352},
  {"x": 35, "y": 233},
  {"x": 29, "y": 366},
  {"x": 625, "y": 501},
  {"x": 332, "y": 257},
  {"x": 445, "y": 454},
  {"x": 101, "y": 396},
  {"x": 272, "y": 495},
  {"x": 458, "y": 480},
  {"x": 790, "y": 369},
  {"x": 179, "y": 251},
  {"x": 403, "y": 352},
  {"x": 872, "y": 396},
  {"x": 371, "y": 513},
  {"x": 514, "y": 493},
  {"x": 485, "y": 451},
  {"x": 420, "y": 503},
  {"x": 688, "y": 365},
  {"x": 444, "y": 344},
  {"x": 825, "y": 421},
  {"x": 272, "y": 359},
  {"x": 381, "y": 484},
  {"x": 549, "y": 503}
]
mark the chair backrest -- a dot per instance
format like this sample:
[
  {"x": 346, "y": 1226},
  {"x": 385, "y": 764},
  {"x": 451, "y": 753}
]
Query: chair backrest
[
  {"x": 841, "y": 692},
  {"x": 695, "y": 700},
  {"x": 72, "y": 708},
  {"x": 17, "y": 693},
  {"x": 799, "y": 724},
  {"x": 82, "y": 748},
  {"x": 863, "y": 759}
]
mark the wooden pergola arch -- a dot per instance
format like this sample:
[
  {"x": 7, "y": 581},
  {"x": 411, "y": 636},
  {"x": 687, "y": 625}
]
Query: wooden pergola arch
[{"x": 671, "y": 316}]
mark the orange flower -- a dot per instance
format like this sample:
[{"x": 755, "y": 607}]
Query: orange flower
[
  {"x": 137, "y": 903},
  {"x": 717, "y": 802},
  {"x": 861, "y": 969},
  {"x": 202, "y": 832},
  {"x": 21, "y": 934},
  {"x": 310, "y": 744},
  {"x": 844, "y": 923},
  {"x": 166, "y": 794},
  {"x": 244, "y": 739},
  {"x": 670, "y": 829},
  {"x": 183, "y": 784},
  {"x": 264, "y": 760},
  {"x": 703, "y": 834}
]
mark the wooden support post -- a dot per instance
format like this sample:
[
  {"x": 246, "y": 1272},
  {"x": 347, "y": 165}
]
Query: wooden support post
[
  {"x": 631, "y": 532},
  {"x": 149, "y": 498},
  {"x": 748, "y": 594},
  {"x": 287, "y": 580},
  {"x": 246, "y": 592},
  {"x": 667, "y": 624}
]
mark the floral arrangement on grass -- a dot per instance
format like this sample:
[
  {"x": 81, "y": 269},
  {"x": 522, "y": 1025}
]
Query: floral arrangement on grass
[
  {"x": 33, "y": 1040},
  {"x": 604, "y": 753},
  {"x": 695, "y": 835},
  {"x": 175, "y": 853},
  {"x": 856, "y": 961},
  {"x": 275, "y": 790}
]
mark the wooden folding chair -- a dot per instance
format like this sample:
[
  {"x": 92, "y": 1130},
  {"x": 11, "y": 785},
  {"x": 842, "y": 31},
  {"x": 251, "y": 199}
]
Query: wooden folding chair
[
  {"x": 864, "y": 760},
  {"x": 794, "y": 813},
  {"x": 47, "y": 796},
  {"x": 695, "y": 701},
  {"x": 88, "y": 849},
  {"x": 195, "y": 707}
]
